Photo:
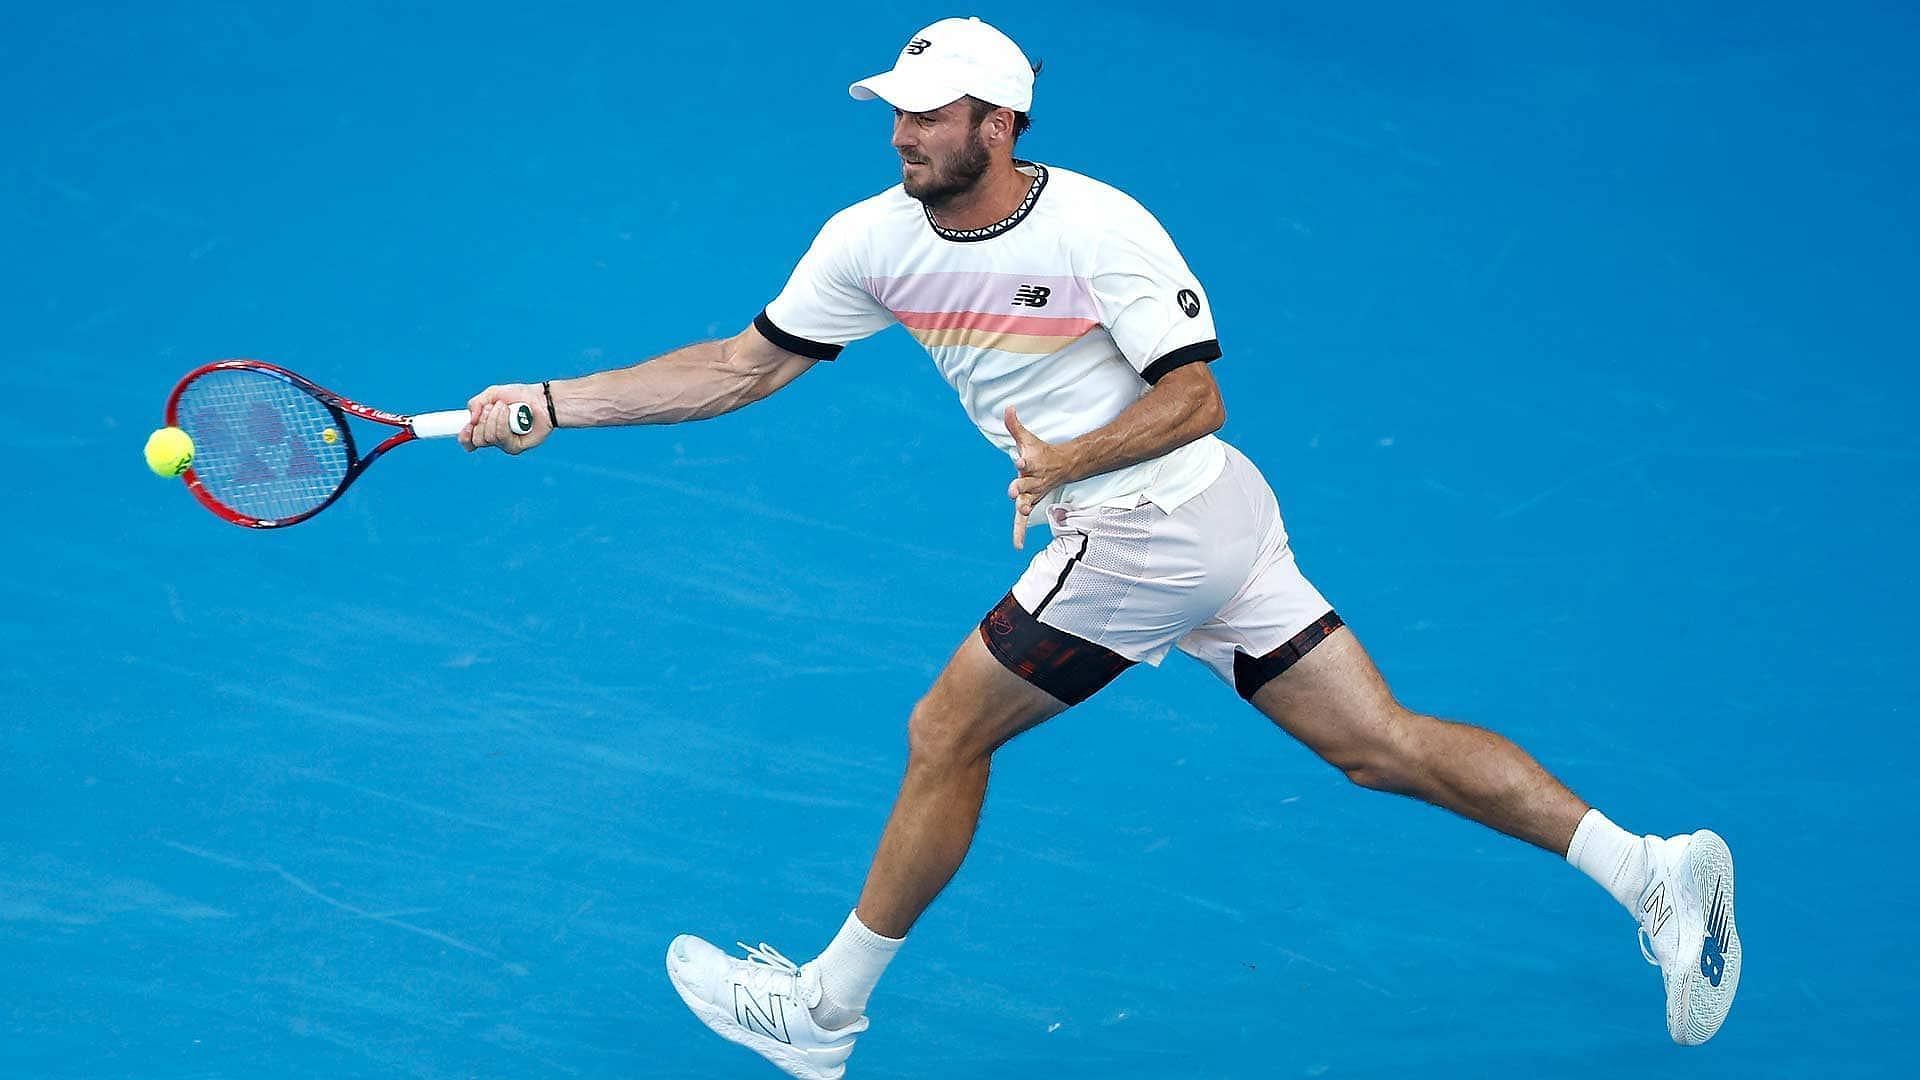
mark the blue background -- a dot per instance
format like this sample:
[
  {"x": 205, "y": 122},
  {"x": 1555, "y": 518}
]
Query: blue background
[{"x": 1577, "y": 340}]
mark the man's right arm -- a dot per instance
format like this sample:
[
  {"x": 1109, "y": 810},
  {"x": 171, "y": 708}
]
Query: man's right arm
[{"x": 696, "y": 382}]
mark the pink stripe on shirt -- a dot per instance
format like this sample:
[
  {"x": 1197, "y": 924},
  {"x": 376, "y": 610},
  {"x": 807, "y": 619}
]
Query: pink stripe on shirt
[{"x": 1070, "y": 297}]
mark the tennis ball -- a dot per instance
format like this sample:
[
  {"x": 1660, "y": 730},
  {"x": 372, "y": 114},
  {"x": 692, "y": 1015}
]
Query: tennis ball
[{"x": 169, "y": 451}]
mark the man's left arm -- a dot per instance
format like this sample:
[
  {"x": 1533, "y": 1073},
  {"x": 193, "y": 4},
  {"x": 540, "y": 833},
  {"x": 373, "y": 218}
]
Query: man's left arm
[{"x": 1183, "y": 406}]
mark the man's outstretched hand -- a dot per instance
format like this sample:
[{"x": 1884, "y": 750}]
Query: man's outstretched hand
[{"x": 487, "y": 414}]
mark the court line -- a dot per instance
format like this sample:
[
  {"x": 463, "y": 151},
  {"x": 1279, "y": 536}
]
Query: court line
[{"x": 281, "y": 872}]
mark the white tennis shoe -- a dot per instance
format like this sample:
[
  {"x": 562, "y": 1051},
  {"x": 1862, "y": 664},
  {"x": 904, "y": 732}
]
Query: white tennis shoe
[
  {"x": 1686, "y": 928},
  {"x": 763, "y": 1003}
]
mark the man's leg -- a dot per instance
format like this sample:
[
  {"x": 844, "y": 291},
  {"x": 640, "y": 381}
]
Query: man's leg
[
  {"x": 805, "y": 1019},
  {"x": 974, "y": 707},
  {"x": 1278, "y": 644},
  {"x": 1679, "y": 889},
  {"x": 1012, "y": 672},
  {"x": 1335, "y": 701}
]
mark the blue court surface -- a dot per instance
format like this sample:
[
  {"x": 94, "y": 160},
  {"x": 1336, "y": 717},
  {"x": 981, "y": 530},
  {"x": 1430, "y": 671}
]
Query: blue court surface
[{"x": 1577, "y": 339}]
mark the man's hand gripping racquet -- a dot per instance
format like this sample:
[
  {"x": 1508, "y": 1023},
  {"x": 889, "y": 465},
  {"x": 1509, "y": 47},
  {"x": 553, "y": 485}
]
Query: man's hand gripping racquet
[
  {"x": 272, "y": 449},
  {"x": 499, "y": 417}
]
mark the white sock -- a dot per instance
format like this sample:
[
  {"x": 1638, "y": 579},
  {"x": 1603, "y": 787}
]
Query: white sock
[
  {"x": 1610, "y": 855},
  {"x": 849, "y": 969}
]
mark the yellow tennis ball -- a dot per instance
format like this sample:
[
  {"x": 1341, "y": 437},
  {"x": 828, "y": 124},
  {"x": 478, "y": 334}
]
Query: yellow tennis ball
[
  {"x": 169, "y": 451},
  {"x": 331, "y": 436}
]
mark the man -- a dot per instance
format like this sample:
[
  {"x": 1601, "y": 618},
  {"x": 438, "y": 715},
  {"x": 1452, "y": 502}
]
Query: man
[{"x": 1079, "y": 342}]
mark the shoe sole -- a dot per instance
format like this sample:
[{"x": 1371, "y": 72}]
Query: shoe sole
[
  {"x": 1704, "y": 1006},
  {"x": 722, "y": 1023}
]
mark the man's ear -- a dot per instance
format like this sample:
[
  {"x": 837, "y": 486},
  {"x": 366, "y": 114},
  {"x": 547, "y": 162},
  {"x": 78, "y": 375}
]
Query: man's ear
[{"x": 1001, "y": 121}]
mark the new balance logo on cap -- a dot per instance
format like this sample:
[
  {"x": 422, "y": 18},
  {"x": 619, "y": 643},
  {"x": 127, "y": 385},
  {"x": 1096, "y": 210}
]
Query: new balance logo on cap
[
  {"x": 1032, "y": 295},
  {"x": 918, "y": 45}
]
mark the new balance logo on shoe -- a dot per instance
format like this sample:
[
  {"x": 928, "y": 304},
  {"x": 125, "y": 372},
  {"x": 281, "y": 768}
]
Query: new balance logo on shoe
[
  {"x": 1032, "y": 295},
  {"x": 1656, "y": 909},
  {"x": 1713, "y": 951},
  {"x": 768, "y": 1018}
]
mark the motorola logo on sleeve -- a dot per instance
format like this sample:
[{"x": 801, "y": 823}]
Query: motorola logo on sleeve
[{"x": 1189, "y": 302}]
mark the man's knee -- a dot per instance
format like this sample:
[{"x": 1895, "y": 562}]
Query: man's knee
[
  {"x": 1386, "y": 757},
  {"x": 939, "y": 736}
]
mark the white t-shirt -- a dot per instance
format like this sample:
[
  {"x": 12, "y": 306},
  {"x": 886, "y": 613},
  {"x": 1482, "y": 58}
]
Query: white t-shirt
[{"x": 1068, "y": 310}]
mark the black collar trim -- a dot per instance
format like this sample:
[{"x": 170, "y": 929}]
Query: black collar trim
[{"x": 988, "y": 232}]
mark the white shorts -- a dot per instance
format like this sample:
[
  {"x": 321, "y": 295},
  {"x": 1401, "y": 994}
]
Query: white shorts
[{"x": 1215, "y": 578}]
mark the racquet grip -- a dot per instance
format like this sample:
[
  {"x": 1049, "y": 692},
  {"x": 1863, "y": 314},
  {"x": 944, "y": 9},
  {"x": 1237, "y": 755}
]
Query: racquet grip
[
  {"x": 441, "y": 425},
  {"x": 438, "y": 425}
]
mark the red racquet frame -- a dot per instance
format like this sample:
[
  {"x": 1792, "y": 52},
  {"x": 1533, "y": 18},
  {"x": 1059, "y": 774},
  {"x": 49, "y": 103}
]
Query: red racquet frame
[{"x": 340, "y": 406}]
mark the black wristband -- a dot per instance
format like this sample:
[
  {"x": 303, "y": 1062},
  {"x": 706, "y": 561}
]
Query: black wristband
[{"x": 553, "y": 418}]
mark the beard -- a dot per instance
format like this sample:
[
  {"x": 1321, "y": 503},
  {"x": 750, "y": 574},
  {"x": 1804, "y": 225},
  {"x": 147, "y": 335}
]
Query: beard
[{"x": 947, "y": 180}]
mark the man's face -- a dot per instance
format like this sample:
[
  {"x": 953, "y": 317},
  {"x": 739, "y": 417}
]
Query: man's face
[{"x": 942, "y": 153}]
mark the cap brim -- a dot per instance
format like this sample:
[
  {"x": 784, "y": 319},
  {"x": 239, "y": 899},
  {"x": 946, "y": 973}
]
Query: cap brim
[{"x": 908, "y": 94}]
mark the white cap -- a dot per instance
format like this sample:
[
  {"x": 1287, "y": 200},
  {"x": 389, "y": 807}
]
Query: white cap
[{"x": 952, "y": 59}]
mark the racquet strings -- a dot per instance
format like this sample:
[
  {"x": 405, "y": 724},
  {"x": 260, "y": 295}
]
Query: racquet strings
[{"x": 263, "y": 446}]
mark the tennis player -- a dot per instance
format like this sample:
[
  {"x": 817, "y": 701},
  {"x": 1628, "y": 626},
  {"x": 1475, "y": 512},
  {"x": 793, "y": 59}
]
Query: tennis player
[{"x": 1079, "y": 343}]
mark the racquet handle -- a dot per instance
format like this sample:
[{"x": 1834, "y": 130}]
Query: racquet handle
[{"x": 441, "y": 425}]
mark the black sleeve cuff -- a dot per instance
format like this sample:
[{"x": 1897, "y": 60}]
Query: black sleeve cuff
[
  {"x": 1200, "y": 352},
  {"x": 799, "y": 346}
]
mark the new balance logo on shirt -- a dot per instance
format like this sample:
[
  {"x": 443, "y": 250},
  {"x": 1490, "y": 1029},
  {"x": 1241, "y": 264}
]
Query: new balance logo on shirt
[
  {"x": 767, "y": 1018},
  {"x": 1032, "y": 295}
]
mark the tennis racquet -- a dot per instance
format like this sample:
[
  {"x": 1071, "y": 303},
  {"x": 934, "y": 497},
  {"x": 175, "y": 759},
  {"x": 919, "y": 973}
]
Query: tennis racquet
[{"x": 272, "y": 449}]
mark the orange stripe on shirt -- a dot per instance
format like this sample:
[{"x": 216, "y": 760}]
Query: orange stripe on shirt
[{"x": 966, "y": 337}]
